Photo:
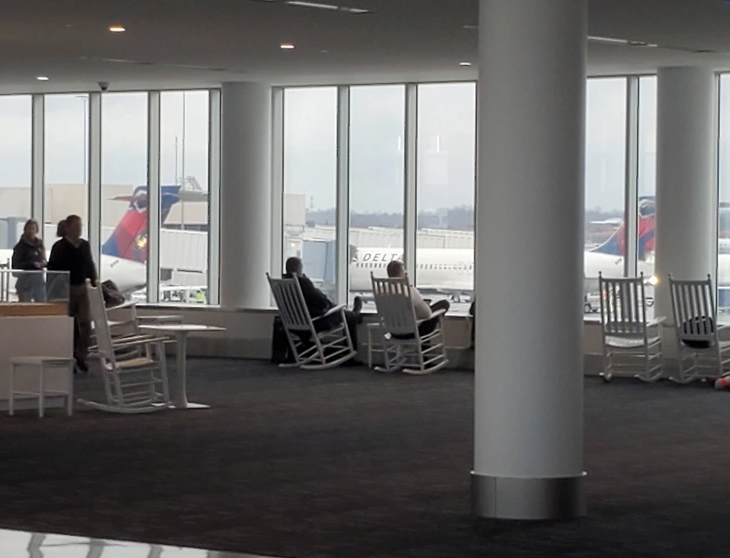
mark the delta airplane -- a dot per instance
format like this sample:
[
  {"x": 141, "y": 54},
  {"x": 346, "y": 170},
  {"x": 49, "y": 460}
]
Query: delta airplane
[
  {"x": 451, "y": 271},
  {"x": 124, "y": 254}
]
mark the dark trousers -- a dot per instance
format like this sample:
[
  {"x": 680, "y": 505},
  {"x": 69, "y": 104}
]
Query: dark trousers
[
  {"x": 351, "y": 321},
  {"x": 427, "y": 327},
  {"x": 80, "y": 311},
  {"x": 32, "y": 289}
]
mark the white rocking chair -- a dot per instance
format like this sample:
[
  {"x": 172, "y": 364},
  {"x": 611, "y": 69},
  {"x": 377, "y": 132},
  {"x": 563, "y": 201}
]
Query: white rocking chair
[
  {"x": 629, "y": 341},
  {"x": 129, "y": 327},
  {"x": 131, "y": 381},
  {"x": 313, "y": 349},
  {"x": 695, "y": 322},
  {"x": 404, "y": 348}
]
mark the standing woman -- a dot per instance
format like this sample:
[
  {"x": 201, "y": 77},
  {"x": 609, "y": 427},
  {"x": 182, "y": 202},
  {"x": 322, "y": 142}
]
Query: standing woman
[{"x": 29, "y": 254}]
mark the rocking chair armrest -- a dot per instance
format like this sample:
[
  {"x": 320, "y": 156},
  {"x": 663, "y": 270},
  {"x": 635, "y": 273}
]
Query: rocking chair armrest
[
  {"x": 331, "y": 312},
  {"x": 659, "y": 320},
  {"x": 136, "y": 341},
  {"x": 123, "y": 306},
  {"x": 437, "y": 314},
  {"x": 115, "y": 324}
]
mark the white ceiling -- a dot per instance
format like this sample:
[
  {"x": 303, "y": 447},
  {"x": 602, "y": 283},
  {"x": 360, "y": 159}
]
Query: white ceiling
[{"x": 235, "y": 40}]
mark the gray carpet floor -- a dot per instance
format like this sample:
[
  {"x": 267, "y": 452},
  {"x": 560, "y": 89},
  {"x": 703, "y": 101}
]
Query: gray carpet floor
[{"x": 351, "y": 463}]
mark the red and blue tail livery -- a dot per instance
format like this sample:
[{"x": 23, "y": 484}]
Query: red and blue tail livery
[
  {"x": 129, "y": 239},
  {"x": 616, "y": 245}
]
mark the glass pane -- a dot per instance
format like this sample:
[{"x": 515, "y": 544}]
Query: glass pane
[
  {"x": 66, "y": 160},
  {"x": 15, "y": 160},
  {"x": 723, "y": 222},
  {"x": 445, "y": 192},
  {"x": 605, "y": 184},
  {"x": 377, "y": 169},
  {"x": 310, "y": 179},
  {"x": 184, "y": 197},
  {"x": 124, "y": 191},
  {"x": 647, "y": 174}
]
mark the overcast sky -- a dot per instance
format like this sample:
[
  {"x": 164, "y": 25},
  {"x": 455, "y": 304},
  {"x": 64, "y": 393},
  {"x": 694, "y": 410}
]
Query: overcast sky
[
  {"x": 124, "y": 138},
  {"x": 446, "y": 117},
  {"x": 446, "y": 139}
]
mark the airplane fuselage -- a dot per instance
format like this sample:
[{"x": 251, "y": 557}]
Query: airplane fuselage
[
  {"x": 453, "y": 269},
  {"x": 128, "y": 275}
]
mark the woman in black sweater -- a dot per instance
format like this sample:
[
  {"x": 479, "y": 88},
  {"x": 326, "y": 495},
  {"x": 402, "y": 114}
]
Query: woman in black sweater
[{"x": 29, "y": 255}]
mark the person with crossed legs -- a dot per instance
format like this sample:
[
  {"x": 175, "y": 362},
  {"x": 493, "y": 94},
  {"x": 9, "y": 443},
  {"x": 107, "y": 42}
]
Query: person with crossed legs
[
  {"x": 424, "y": 311},
  {"x": 318, "y": 304}
]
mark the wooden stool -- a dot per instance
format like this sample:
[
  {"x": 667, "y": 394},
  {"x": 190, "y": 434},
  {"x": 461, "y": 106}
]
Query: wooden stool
[{"x": 42, "y": 365}]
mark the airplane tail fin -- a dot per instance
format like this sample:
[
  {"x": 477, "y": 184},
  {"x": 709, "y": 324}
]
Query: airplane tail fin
[
  {"x": 129, "y": 239},
  {"x": 616, "y": 244}
]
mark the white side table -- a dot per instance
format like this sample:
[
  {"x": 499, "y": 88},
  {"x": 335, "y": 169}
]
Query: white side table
[
  {"x": 180, "y": 333},
  {"x": 43, "y": 365}
]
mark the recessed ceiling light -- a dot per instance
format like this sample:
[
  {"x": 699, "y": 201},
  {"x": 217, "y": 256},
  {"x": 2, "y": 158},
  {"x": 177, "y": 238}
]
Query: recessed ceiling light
[
  {"x": 287, "y": 46},
  {"x": 117, "y": 29},
  {"x": 620, "y": 42},
  {"x": 464, "y": 63},
  {"x": 42, "y": 78},
  {"x": 323, "y": 6}
]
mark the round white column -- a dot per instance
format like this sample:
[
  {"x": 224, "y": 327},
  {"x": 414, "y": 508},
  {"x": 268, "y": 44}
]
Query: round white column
[
  {"x": 528, "y": 461},
  {"x": 245, "y": 244},
  {"x": 686, "y": 238}
]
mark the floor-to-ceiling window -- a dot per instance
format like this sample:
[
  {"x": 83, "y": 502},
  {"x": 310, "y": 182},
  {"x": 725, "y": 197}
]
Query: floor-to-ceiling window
[
  {"x": 646, "y": 175},
  {"x": 124, "y": 190},
  {"x": 66, "y": 160},
  {"x": 445, "y": 192},
  {"x": 184, "y": 157},
  {"x": 377, "y": 170},
  {"x": 605, "y": 183},
  {"x": 310, "y": 181},
  {"x": 723, "y": 221},
  {"x": 15, "y": 161}
]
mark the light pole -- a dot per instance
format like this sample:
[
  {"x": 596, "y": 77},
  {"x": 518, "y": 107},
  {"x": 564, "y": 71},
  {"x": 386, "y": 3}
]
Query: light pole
[{"x": 182, "y": 183}]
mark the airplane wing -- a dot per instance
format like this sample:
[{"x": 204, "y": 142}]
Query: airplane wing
[
  {"x": 193, "y": 196},
  {"x": 463, "y": 287},
  {"x": 184, "y": 195}
]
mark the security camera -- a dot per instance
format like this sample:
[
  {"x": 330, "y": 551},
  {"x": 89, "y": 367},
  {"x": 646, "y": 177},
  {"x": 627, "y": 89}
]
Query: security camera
[{"x": 104, "y": 86}]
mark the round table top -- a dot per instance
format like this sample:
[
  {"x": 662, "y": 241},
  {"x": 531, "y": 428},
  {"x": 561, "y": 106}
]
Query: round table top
[{"x": 175, "y": 328}]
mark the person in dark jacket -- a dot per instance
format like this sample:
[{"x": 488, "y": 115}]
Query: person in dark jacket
[
  {"x": 319, "y": 303},
  {"x": 73, "y": 254},
  {"x": 29, "y": 255}
]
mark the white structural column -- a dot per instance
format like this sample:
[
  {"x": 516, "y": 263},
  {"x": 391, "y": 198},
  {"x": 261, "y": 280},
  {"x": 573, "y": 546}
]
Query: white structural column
[
  {"x": 528, "y": 461},
  {"x": 245, "y": 243},
  {"x": 686, "y": 232}
]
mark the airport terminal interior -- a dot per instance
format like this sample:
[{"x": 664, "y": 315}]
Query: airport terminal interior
[{"x": 508, "y": 335}]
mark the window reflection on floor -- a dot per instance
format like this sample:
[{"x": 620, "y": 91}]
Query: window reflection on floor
[{"x": 17, "y": 543}]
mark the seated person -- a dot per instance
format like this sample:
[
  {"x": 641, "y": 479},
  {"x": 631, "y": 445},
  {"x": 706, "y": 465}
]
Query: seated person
[
  {"x": 318, "y": 303},
  {"x": 424, "y": 311}
]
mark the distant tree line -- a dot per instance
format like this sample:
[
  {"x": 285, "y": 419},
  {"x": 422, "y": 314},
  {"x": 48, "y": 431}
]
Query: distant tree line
[{"x": 456, "y": 218}]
